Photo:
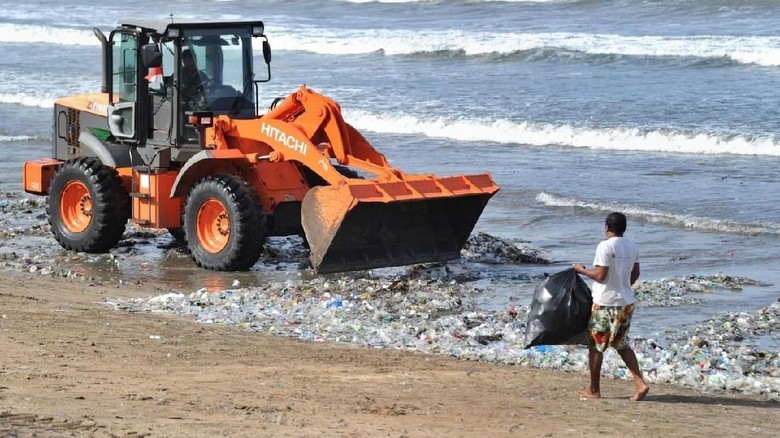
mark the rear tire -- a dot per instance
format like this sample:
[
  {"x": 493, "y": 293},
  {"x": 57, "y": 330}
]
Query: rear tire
[
  {"x": 88, "y": 206},
  {"x": 224, "y": 224}
]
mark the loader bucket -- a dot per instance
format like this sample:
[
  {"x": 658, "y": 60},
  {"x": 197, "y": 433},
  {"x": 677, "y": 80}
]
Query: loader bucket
[{"x": 364, "y": 224}]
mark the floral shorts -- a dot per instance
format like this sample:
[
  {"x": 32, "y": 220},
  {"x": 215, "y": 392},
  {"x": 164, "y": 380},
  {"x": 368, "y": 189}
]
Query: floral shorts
[{"x": 609, "y": 325}]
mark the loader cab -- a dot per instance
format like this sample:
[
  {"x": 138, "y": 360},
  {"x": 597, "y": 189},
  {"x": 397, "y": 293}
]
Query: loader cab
[
  {"x": 161, "y": 73},
  {"x": 214, "y": 74}
]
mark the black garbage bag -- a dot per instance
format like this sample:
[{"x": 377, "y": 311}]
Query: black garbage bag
[{"x": 560, "y": 311}]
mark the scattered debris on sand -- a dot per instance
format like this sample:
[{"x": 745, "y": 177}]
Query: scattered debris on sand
[{"x": 439, "y": 316}]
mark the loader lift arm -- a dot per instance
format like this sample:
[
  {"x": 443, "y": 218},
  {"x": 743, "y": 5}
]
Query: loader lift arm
[
  {"x": 320, "y": 119},
  {"x": 389, "y": 220}
]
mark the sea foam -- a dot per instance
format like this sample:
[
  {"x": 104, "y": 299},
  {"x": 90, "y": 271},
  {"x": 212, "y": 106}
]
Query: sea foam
[
  {"x": 660, "y": 216},
  {"x": 545, "y": 134},
  {"x": 761, "y": 50}
]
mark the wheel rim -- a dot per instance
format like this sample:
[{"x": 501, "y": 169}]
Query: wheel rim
[
  {"x": 76, "y": 207},
  {"x": 213, "y": 226}
]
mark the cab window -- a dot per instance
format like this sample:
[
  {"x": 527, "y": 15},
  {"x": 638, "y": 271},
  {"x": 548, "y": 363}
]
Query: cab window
[
  {"x": 224, "y": 60},
  {"x": 125, "y": 77}
]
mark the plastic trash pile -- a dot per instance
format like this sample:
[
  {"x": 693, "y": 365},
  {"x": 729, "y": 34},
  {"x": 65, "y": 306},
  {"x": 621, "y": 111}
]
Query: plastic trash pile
[
  {"x": 734, "y": 328},
  {"x": 21, "y": 217},
  {"x": 677, "y": 292},
  {"x": 484, "y": 248},
  {"x": 439, "y": 317},
  {"x": 724, "y": 353},
  {"x": 431, "y": 308}
]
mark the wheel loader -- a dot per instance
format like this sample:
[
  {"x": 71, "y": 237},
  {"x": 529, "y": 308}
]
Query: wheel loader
[{"x": 205, "y": 162}]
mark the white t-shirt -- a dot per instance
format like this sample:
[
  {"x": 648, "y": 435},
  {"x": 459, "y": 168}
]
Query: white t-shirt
[{"x": 619, "y": 254}]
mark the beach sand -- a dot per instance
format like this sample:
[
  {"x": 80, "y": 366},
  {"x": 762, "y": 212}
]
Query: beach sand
[{"x": 71, "y": 366}]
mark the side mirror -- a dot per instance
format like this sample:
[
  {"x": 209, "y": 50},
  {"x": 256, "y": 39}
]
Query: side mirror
[
  {"x": 151, "y": 56},
  {"x": 266, "y": 52}
]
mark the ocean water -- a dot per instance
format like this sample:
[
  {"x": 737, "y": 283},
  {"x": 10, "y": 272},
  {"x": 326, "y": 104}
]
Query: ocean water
[{"x": 666, "y": 110}]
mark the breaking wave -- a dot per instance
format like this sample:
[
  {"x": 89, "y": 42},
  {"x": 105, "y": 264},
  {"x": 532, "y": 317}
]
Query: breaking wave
[
  {"x": 738, "y": 49},
  {"x": 27, "y": 100},
  {"x": 544, "y": 134},
  {"x": 661, "y": 217},
  {"x": 28, "y": 33},
  {"x": 533, "y": 133},
  {"x": 17, "y": 138},
  {"x": 760, "y": 50}
]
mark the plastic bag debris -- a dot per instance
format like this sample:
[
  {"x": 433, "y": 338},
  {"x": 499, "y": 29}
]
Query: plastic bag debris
[
  {"x": 484, "y": 248},
  {"x": 445, "y": 318},
  {"x": 560, "y": 310}
]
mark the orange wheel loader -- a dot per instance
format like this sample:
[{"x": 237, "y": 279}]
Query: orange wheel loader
[{"x": 183, "y": 146}]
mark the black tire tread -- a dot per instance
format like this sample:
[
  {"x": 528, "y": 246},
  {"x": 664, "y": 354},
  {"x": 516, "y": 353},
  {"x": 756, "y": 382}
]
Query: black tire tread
[
  {"x": 248, "y": 227},
  {"x": 110, "y": 206}
]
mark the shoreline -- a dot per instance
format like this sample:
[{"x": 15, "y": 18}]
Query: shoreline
[{"x": 372, "y": 308}]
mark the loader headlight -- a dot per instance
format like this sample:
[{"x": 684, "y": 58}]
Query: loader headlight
[
  {"x": 257, "y": 30},
  {"x": 200, "y": 118}
]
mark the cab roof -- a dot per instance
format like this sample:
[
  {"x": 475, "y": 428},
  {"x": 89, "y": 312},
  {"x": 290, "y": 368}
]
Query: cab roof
[{"x": 162, "y": 27}]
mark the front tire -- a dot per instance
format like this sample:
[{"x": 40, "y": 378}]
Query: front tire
[
  {"x": 224, "y": 224},
  {"x": 177, "y": 234},
  {"x": 88, "y": 207}
]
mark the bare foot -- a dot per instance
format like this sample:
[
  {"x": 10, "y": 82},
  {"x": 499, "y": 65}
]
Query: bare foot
[
  {"x": 586, "y": 394},
  {"x": 640, "y": 393}
]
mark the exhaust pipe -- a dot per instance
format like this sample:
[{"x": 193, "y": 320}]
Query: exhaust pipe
[{"x": 106, "y": 61}]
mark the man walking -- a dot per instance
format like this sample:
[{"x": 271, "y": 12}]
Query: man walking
[{"x": 615, "y": 269}]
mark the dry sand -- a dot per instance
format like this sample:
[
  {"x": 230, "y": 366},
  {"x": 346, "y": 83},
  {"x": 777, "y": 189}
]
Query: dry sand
[{"x": 71, "y": 366}]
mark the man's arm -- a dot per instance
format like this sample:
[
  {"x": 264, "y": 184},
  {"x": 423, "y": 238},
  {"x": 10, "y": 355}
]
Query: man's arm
[
  {"x": 598, "y": 273},
  {"x": 635, "y": 273}
]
